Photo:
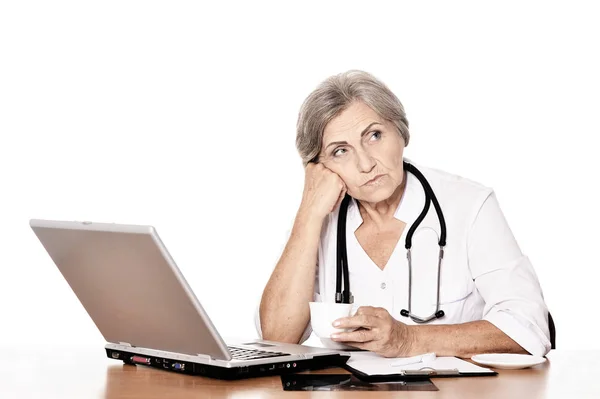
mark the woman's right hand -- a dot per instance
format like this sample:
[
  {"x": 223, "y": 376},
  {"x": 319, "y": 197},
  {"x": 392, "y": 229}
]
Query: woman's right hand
[{"x": 324, "y": 190}]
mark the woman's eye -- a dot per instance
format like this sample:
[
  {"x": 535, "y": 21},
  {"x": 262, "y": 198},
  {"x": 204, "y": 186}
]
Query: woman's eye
[
  {"x": 336, "y": 152},
  {"x": 376, "y": 134}
]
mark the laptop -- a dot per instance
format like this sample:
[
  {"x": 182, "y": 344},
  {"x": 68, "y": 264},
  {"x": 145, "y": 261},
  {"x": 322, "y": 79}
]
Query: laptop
[{"x": 148, "y": 314}]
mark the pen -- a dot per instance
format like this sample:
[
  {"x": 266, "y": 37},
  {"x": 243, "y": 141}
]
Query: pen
[
  {"x": 427, "y": 357},
  {"x": 430, "y": 373}
]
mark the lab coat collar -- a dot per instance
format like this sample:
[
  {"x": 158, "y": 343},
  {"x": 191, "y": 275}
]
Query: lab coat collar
[{"x": 410, "y": 206}]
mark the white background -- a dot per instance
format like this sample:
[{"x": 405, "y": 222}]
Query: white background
[{"x": 182, "y": 115}]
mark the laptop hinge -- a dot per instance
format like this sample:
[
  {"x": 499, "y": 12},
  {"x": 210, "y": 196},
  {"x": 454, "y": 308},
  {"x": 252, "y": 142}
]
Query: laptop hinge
[
  {"x": 204, "y": 356},
  {"x": 126, "y": 344}
]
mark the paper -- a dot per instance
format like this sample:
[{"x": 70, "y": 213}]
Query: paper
[
  {"x": 373, "y": 364},
  {"x": 403, "y": 361}
]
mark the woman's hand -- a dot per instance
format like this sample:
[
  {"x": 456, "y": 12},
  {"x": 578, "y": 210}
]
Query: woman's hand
[
  {"x": 323, "y": 190},
  {"x": 377, "y": 332}
]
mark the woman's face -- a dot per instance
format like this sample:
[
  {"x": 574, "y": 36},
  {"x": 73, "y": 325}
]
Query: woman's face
[{"x": 358, "y": 145}]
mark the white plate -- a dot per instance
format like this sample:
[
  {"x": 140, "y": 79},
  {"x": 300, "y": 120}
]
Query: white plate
[{"x": 508, "y": 361}]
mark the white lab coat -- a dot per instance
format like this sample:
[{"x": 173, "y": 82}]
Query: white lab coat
[{"x": 484, "y": 274}]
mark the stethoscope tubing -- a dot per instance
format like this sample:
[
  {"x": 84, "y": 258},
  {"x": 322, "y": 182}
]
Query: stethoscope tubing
[{"x": 345, "y": 295}]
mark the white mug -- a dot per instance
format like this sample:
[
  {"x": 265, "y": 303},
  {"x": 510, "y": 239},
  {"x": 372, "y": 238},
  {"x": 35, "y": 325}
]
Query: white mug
[{"x": 323, "y": 314}]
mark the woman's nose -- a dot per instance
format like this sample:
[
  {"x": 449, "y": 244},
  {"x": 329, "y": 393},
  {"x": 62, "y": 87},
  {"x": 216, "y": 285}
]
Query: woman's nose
[{"x": 365, "y": 161}]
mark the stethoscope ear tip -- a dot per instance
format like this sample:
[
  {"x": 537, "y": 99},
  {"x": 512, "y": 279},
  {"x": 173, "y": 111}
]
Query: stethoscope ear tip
[
  {"x": 439, "y": 314},
  {"x": 404, "y": 313}
]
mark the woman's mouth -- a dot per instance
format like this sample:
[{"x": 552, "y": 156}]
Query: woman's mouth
[{"x": 374, "y": 180}]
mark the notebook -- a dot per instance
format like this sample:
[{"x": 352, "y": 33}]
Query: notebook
[
  {"x": 372, "y": 367},
  {"x": 140, "y": 301}
]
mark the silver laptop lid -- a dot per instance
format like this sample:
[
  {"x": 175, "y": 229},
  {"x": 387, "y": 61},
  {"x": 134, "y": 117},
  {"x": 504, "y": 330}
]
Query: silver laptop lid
[{"x": 130, "y": 286}]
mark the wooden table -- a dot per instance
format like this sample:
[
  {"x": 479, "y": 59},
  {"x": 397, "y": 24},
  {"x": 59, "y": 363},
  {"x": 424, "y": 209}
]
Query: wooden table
[{"x": 83, "y": 372}]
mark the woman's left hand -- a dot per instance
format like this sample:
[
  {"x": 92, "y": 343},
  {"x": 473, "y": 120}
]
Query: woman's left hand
[{"x": 377, "y": 332}]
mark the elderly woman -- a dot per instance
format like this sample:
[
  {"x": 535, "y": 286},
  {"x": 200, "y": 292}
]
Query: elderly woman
[{"x": 351, "y": 135}]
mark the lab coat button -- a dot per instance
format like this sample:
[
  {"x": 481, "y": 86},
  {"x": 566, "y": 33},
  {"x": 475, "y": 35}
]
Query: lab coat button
[{"x": 383, "y": 286}]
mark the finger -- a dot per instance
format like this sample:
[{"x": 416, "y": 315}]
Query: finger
[
  {"x": 364, "y": 320},
  {"x": 381, "y": 312},
  {"x": 367, "y": 310},
  {"x": 376, "y": 312},
  {"x": 361, "y": 335},
  {"x": 340, "y": 199},
  {"x": 325, "y": 167}
]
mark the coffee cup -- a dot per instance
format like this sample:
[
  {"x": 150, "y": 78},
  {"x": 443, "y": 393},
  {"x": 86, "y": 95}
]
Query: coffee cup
[{"x": 323, "y": 314}]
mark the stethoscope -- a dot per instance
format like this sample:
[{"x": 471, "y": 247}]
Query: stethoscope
[{"x": 345, "y": 296}]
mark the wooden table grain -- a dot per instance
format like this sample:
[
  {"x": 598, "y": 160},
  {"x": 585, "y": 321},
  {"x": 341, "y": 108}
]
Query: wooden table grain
[{"x": 84, "y": 372}]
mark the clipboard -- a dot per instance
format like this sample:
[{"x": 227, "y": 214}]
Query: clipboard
[
  {"x": 448, "y": 367},
  {"x": 415, "y": 375}
]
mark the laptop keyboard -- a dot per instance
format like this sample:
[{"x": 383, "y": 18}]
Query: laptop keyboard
[{"x": 250, "y": 354}]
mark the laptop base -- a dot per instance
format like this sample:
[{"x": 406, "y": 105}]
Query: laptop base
[{"x": 225, "y": 373}]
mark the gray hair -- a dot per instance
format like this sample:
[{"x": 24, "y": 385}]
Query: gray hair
[{"x": 332, "y": 97}]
